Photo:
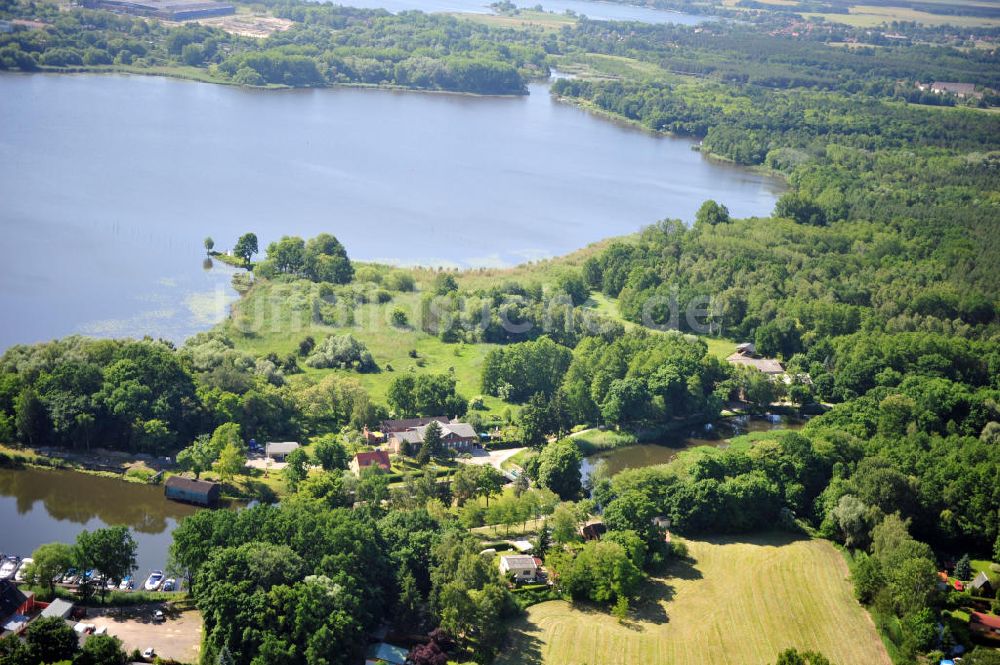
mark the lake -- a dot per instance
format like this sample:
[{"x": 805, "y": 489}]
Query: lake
[
  {"x": 650, "y": 454},
  {"x": 600, "y": 11},
  {"x": 43, "y": 506},
  {"x": 110, "y": 183}
]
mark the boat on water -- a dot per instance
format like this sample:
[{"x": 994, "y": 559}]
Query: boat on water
[
  {"x": 154, "y": 580},
  {"x": 25, "y": 562},
  {"x": 126, "y": 584},
  {"x": 169, "y": 585},
  {"x": 9, "y": 567}
]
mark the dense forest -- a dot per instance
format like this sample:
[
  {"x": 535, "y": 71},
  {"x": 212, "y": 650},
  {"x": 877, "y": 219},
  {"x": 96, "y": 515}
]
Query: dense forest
[{"x": 328, "y": 44}]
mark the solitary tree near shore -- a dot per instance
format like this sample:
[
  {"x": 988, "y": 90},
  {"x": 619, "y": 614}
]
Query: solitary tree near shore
[
  {"x": 209, "y": 244},
  {"x": 246, "y": 247},
  {"x": 50, "y": 560}
]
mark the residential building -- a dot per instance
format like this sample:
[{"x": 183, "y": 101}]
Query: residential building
[
  {"x": 746, "y": 355},
  {"x": 457, "y": 436},
  {"x": 361, "y": 461},
  {"x": 279, "y": 450},
  {"x": 170, "y": 10},
  {"x": 985, "y": 625},
  {"x": 389, "y": 427},
  {"x": 952, "y": 88},
  {"x": 13, "y": 602},
  {"x": 521, "y": 567},
  {"x": 189, "y": 490},
  {"x": 980, "y": 585}
]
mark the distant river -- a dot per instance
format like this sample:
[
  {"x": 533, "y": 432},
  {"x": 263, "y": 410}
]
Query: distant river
[
  {"x": 601, "y": 11},
  {"x": 109, "y": 184}
]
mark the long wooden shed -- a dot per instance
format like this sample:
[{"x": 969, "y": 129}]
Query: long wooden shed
[{"x": 189, "y": 490}]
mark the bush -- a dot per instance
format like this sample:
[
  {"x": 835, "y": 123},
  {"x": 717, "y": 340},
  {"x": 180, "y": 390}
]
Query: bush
[
  {"x": 399, "y": 281},
  {"x": 344, "y": 352},
  {"x": 399, "y": 318}
]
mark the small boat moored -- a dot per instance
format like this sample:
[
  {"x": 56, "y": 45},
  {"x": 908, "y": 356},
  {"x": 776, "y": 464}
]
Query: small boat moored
[
  {"x": 9, "y": 567},
  {"x": 19, "y": 575},
  {"x": 154, "y": 580}
]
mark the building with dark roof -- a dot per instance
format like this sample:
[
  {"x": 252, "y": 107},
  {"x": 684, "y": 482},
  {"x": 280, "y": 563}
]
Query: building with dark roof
[
  {"x": 189, "y": 490},
  {"x": 12, "y": 601},
  {"x": 169, "y": 10},
  {"x": 981, "y": 585},
  {"x": 458, "y": 436}
]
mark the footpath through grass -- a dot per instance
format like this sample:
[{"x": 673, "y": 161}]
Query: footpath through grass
[{"x": 738, "y": 601}]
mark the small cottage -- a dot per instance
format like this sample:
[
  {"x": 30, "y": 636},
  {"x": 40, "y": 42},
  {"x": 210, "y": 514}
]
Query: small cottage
[
  {"x": 984, "y": 625},
  {"x": 189, "y": 490},
  {"x": 980, "y": 585},
  {"x": 379, "y": 458},
  {"x": 522, "y": 568},
  {"x": 279, "y": 450}
]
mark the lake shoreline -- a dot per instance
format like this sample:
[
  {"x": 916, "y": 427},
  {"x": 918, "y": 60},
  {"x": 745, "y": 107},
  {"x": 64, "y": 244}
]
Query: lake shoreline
[
  {"x": 593, "y": 109},
  {"x": 192, "y": 74}
]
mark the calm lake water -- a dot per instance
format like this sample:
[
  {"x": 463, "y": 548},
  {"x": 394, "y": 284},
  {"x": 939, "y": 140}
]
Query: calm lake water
[
  {"x": 649, "y": 454},
  {"x": 110, "y": 183},
  {"x": 601, "y": 11},
  {"x": 42, "y": 506}
]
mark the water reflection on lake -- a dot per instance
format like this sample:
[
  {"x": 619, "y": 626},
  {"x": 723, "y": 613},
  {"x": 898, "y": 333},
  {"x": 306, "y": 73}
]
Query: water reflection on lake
[
  {"x": 719, "y": 435},
  {"x": 41, "y": 506}
]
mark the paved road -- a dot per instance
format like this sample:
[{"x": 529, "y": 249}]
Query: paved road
[{"x": 494, "y": 458}]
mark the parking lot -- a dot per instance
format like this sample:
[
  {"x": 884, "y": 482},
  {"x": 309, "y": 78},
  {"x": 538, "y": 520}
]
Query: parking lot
[{"x": 177, "y": 637}]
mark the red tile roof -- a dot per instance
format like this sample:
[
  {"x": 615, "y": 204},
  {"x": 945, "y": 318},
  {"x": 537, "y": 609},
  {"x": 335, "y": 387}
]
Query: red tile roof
[
  {"x": 989, "y": 620},
  {"x": 379, "y": 457}
]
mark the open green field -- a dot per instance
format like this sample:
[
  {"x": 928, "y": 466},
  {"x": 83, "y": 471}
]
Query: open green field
[
  {"x": 740, "y": 601},
  {"x": 870, "y": 16},
  {"x": 277, "y": 316},
  {"x": 525, "y": 18}
]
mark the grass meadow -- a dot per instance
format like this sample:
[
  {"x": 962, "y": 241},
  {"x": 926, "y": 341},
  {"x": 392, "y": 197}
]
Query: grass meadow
[{"x": 737, "y": 601}]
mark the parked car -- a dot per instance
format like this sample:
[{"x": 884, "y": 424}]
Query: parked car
[
  {"x": 148, "y": 653},
  {"x": 158, "y": 616}
]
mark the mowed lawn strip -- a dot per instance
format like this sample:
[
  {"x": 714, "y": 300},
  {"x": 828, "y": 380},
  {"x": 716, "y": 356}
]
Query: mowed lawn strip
[{"x": 740, "y": 602}]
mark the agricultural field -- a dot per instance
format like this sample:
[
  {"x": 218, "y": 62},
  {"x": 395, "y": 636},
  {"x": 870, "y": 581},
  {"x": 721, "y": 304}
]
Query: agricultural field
[
  {"x": 869, "y": 16},
  {"x": 737, "y": 601}
]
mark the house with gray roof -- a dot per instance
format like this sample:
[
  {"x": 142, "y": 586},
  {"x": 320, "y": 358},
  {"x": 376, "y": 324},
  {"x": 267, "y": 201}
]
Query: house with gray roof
[{"x": 457, "y": 436}]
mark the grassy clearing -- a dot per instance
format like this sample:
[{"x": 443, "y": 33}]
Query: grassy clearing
[
  {"x": 275, "y": 317},
  {"x": 597, "y": 65},
  {"x": 738, "y": 601},
  {"x": 525, "y": 18},
  {"x": 870, "y": 16}
]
